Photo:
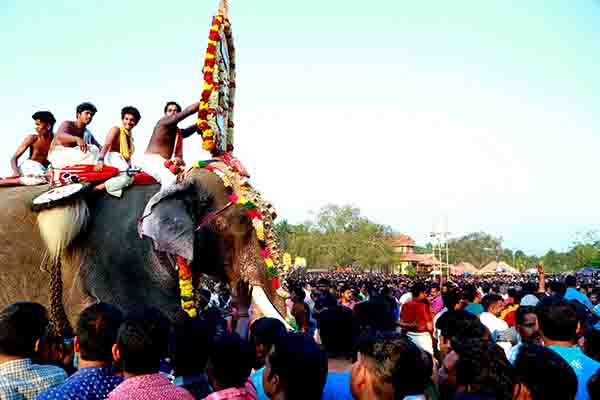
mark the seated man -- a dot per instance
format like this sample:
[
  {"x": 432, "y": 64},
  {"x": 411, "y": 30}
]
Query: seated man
[
  {"x": 166, "y": 143},
  {"x": 96, "y": 378},
  {"x": 21, "y": 327},
  {"x": 117, "y": 152},
  {"x": 74, "y": 143},
  {"x": 33, "y": 170}
]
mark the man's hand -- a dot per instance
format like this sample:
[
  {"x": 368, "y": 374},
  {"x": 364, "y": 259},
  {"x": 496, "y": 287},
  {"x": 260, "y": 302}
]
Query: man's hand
[
  {"x": 82, "y": 145},
  {"x": 540, "y": 268},
  {"x": 99, "y": 166}
]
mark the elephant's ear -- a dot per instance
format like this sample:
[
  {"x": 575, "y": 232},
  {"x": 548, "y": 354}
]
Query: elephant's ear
[{"x": 169, "y": 219}]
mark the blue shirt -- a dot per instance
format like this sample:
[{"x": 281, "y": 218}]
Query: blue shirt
[
  {"x": 583, "y": 366},
  {"x": 94, "y": 383},
  {"x": 474, "y": 308},
  {"x": 337, "y": 386},
  {"x": 574, "y": 294}
]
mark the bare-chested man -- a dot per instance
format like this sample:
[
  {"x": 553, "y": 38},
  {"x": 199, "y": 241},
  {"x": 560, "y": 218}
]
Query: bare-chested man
[
  {"x": 33, "y": 170},
  {"x": 74, "y": 143},
  {"x": 117, "y": 152},
  {"x": 164, "y": 144}
]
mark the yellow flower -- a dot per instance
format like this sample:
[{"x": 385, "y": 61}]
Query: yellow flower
[
  {"x": 208, "y": 145},
  {"x": 192, "y": 313},
  {"x": 269, "y": 262},
  {"x": 207, "y": 86},
  {"x": 204, "y": 105},
  {"x": 208, "y": 133}
]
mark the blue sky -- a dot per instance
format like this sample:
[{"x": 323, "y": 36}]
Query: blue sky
[{"x": 485, "y": 113}]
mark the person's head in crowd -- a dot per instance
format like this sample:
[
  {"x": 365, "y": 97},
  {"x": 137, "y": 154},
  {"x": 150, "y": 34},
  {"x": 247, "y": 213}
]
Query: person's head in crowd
[
  {"x": 591, "y": 346},
  {"x": 335, "y": 330},
  {"x": 230, "y": 361},
  {"x": 542, "y": 374},
  {"x": 374, "y": 314},
  {"x": 188, "y": 343},
  {"x": 434, "y": 290},
  {"x": 389, "y": 366},
  {"x": 346, "y": 294},
  {"x": 298, "y": 294},
  {"x": 493, "y": 304},
  {"x": 527, "y": 324},
  {"x": 571, "y": 281},
  {"x": 462, "y": 324},
  {"x": 529, "y": 300},
  {"x": 301, "y": 313},
  {"x": 595, "y": 296},
  {"x": 557, "y": 319},
  {"x": 451, "y": 298},
  {"x": 557, "y": 288},
  {"x": 21, "y": 327},
  {"x": 418, "y": 291},
  {"x": 478, "y": 367},
  {"x": 264, "y": 332},
  {"x": 323, "y": 285},
  {"x": 325, "y": 300},
  {"x": 142, "y": 342},
  {"x": 96, "y": 331},
  {"x": 593, "y": 386},
  {"x": 296, "y": 368},
  {"x": 471, "y": 294}
]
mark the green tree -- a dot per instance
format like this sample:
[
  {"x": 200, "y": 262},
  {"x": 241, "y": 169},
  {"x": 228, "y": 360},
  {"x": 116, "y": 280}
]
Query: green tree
[{"x": 477, "y": 248}]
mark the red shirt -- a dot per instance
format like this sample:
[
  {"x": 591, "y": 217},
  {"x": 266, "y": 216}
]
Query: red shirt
[{"x": 417, "y": 311}]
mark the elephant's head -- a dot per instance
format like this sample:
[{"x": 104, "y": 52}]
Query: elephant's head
[{"x": 199, "y": 222}]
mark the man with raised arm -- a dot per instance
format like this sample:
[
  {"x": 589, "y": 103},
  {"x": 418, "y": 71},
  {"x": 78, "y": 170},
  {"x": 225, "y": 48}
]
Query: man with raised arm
[
  {"x": 74, "y": 143},
  {"x": 33, "y": 170},
  {"x": 166, "y": 143}
]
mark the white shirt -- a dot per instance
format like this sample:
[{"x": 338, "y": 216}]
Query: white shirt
[{"x": 492, "y": 322}]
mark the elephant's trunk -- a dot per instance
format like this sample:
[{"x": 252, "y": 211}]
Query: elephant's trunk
[{"x": 264, "y": 305}]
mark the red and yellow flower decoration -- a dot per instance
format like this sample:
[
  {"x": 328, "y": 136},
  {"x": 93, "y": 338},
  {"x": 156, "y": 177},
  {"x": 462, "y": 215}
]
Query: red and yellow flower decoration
[
  {"x": 253, "y": 212},
  {"x": 218, "y": 90}
]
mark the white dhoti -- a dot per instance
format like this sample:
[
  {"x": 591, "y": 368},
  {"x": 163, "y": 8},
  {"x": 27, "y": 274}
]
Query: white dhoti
[
  {"x": 61, "y": 156},
  {"x": 116, "y": 184},
  {"x": 154, "y": 165},
  {"x": 423, "y": 340},
  {"x": 32, "y": 173}
]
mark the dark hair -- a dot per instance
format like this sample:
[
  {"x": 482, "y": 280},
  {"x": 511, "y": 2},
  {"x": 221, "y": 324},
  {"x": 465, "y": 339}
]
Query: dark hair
[
  {"x": 21, "y": 325},
  {"x": 44, "y": 116},
  {"x": 469, "y": 293},
  {"x": 593, "y": 385},
  {"x": 188, "y": 345},
  {"x": 571, "y": 281},
  {"x": 172, "y": 103},
  {"x": 450, "y": 297},
  {"x": 97, "y": 330},
  {"x": 545, "y": 373},
  {"x": 490, "y": 299},
  {"x": 460, "y": 324},
  {"x": 131, "y": 111},
  {"x": 374, "y": 314},
  {"x": 482, "y": 366},
  {"x": 335, "y": 329},
  {"x": 266, "y": 331},
  {"x": 142, "y": 341},
  {"x": 230, "y": 360},
  {"x": 301, "y": 366},
  {"x": 558, "y": 287},
  {"x": 522, "y": 311},
  {"x": 417, "y": 289},
  {"x": 557, "y": 319},
  {"x": 394, "y": 359},
  {"x": 592, "y": 344},
  {"x": 86, "y": 107}
]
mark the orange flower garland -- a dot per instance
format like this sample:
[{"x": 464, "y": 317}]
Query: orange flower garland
[{"x": 219, "y": 80}]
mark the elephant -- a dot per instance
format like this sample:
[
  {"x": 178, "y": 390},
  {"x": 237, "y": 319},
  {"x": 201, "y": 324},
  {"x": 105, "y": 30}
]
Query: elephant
[{"x": 104, "y": 257}]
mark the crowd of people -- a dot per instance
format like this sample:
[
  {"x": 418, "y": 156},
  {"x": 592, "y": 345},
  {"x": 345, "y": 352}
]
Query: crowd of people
[{"x": 355, "y": 336}]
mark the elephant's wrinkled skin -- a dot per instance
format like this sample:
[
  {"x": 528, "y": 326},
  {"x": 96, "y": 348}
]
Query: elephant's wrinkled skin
[{"x": 109, "y": 261}]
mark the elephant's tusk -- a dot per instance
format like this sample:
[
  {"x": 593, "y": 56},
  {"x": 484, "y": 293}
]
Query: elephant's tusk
[{"x": 260, "y": 299}]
